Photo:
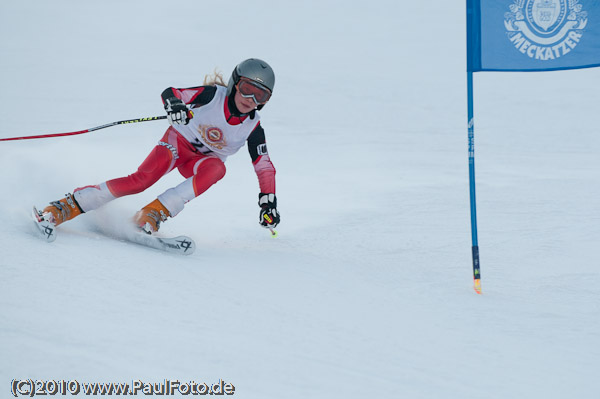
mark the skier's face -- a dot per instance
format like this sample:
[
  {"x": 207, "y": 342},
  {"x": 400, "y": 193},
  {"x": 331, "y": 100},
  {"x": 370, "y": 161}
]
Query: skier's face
[
  {"x": 244, "y": 105},
  {"x": 249, "y": 95}
]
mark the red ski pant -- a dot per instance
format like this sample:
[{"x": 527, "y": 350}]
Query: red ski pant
[{"x": 172, "y": 151}]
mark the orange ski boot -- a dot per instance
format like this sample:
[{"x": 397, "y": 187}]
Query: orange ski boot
[
  {"x": 62, "y": 210},
  {"x": 149, "y": 218}
]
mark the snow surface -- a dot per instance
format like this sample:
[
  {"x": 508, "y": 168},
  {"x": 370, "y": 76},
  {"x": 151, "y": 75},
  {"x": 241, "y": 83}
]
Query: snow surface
[{"x": 367, "y": 291}]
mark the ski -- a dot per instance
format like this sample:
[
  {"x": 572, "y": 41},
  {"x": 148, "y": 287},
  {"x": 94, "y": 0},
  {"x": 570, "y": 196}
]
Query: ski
[
  {"x": 181, "y": 245},
  {"x": 46, "y": 229}
]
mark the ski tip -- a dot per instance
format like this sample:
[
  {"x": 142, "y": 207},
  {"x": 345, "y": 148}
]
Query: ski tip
[
  {"x": 36, "y": 214},
  {"x": 186, "y": 244},
  {"x": 45, "y": 228},
  {"x": 477, "y": 286},
  {"x": 182, "y": 245}
]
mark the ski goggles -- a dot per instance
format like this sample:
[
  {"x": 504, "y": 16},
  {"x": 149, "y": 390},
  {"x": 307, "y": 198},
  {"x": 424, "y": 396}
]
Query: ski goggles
[{"x": 248, "y": 88}]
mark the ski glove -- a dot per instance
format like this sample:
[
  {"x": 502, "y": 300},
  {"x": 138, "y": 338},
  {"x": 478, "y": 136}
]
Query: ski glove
[
  {"x": 269, "y": 217},
  {"x": 177, "y": 111}
]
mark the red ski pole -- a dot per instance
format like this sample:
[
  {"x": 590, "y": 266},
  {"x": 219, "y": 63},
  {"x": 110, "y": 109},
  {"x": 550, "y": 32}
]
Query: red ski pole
[{"x": 43, "y": 136}]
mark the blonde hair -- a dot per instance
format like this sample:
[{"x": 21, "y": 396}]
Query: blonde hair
[{"x": 214, "y": 79}]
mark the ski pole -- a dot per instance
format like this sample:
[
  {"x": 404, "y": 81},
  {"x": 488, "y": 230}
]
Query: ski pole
[
  {"x": 269, "y": 220},
  {"x": 43, "y": 136}
]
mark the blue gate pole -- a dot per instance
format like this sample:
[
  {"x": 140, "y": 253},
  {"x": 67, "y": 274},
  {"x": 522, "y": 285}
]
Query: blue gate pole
[{"x": 475, "y": 244}]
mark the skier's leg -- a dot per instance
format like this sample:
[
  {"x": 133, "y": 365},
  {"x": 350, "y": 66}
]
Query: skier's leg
[
  {"x": 206, "y": 172},
  {"x": 160, "y": 161},
  {"x": 203, "y": 172}
]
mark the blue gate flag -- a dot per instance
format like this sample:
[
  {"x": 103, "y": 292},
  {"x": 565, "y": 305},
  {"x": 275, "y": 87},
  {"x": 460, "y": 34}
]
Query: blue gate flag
[{"x": 532, "y": 35}]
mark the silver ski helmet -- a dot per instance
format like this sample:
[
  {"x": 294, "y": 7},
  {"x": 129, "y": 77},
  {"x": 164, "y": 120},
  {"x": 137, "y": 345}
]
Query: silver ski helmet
[{"x": 258, "y": 71}]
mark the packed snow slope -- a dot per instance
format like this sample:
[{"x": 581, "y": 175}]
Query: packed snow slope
[{"x": 367, "y": 291}]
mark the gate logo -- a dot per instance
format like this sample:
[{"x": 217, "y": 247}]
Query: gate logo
[{"x": 545, "y": 29}]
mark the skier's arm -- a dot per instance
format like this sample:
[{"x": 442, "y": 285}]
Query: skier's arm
[
  {"x": 265, "y": 171},
  {"x": 195, "y": 96}
]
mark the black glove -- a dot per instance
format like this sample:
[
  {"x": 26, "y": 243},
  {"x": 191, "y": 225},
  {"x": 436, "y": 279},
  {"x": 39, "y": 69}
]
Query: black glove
[
  {"x": 177, "y": 111},
  {"x": 269, "y": 217}
]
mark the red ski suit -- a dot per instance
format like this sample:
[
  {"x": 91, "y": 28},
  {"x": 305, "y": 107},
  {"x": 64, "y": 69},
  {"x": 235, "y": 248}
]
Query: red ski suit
[{"x": 198, "y": 150}]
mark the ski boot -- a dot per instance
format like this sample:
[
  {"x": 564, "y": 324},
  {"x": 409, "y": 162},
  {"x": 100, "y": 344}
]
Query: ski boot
[
  {"x": 149, "y": 218},
  {"x": 62, "y": 210}
]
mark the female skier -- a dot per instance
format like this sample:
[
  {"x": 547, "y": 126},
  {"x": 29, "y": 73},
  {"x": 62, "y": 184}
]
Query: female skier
[{"x": 208, "y": 123}]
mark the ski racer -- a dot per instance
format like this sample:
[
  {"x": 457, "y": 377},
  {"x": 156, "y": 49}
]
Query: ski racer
[{"x": 208, "y": 124}]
